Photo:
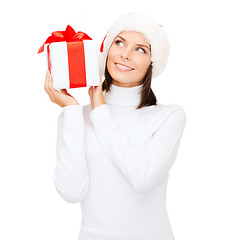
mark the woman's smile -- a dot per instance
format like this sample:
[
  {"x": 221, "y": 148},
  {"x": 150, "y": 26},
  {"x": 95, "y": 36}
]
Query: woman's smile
[{"x": 123, "y": 67}]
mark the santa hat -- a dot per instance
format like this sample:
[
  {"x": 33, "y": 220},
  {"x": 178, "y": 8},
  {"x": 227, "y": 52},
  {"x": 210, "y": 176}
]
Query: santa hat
[{"x": 153, "y": 33}]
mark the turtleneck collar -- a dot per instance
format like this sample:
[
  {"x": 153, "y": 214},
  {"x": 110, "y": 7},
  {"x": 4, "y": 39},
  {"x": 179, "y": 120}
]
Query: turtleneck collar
[{"x": 123, "y": 96}]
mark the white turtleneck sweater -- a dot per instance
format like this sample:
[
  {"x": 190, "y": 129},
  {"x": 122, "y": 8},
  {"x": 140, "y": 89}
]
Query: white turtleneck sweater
[{"x": 114, "y": 160}]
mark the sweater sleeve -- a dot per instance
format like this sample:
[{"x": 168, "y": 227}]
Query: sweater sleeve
[
  {"x": 143, "y": 167},
  {"x": 71, "y": 176}
]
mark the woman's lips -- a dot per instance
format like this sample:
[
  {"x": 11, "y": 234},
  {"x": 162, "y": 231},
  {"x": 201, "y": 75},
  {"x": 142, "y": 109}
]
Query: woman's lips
[{"x": 123, "y": 68}]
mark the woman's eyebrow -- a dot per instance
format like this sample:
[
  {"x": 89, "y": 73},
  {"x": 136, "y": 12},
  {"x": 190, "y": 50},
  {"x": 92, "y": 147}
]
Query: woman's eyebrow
[
  {"x": 121, "y": 38},
  {"x": 140, "y": 45}
]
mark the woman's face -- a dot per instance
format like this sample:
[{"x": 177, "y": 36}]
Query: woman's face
[{"x": 128, "y": 59}]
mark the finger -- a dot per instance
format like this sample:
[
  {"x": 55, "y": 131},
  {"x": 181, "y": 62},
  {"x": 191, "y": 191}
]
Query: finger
[
  {"x": 51, "y": 87},
  {"x": 46, "y": 79},
  {"x": 48, "y": 91},
  {"x": 46, "y": 86},
  {"x": 100, "y": 84},
  {"x": 64, "y": 91},
  {"x": 53, "y": 93},
  {"x": 90, "y": 92}
]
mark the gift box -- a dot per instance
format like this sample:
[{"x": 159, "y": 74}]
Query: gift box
[{"x": 72, "y": 59}]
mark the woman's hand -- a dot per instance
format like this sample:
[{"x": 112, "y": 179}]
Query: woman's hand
[
  {"x": 96, "y": 95},
  {"x": 62, "y": 98}
]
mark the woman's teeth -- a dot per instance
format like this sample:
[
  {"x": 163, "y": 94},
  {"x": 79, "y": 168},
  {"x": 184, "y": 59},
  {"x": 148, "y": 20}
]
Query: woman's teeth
[{"x": 121, "y": 67}]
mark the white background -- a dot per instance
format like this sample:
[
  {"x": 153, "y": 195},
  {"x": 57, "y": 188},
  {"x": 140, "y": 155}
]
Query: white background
[{"x": 198, "y": 77}]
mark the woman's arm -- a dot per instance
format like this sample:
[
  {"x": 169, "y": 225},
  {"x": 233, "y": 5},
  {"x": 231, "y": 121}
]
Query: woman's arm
[
  {"x": 143, "y": 167},
  {"x": 71, "y": 175}
]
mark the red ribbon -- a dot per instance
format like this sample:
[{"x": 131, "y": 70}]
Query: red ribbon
[{"x": 69, "y": 35}]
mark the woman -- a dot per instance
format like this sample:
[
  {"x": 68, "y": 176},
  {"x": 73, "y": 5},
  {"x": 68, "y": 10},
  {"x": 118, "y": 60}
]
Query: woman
[{"x": 114, "y": 154}]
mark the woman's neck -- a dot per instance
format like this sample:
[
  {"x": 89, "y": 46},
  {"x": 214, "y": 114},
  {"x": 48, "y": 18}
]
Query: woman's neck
[
  {"x": 123, "y": 96},
  {"x": 127, "y": 85}
]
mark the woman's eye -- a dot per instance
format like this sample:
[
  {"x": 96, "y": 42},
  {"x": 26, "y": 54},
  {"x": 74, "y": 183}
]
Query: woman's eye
[
  {"x": 119, "y": 43},
  {"x": 141, "y": 50}
]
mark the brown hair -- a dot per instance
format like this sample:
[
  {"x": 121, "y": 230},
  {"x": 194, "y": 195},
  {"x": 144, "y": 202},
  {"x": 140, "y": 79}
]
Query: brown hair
[{"x": 148, "y": 97}]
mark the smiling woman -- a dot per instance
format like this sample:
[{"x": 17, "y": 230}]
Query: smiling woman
[
  {"x": 114, "y": 155},
  {"x": 134, "y": 51},
  {"x": 128, "y": 59}
]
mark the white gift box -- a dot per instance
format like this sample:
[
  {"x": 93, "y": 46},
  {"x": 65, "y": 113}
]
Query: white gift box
[{"x": 73, "y": 64}]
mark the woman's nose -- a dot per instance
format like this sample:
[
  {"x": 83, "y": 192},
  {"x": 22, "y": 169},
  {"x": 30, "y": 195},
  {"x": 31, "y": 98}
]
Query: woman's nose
[{"x": 126, "y": 53}]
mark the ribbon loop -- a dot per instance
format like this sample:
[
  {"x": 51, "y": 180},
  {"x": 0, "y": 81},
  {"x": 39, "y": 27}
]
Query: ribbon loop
[{"x": 69, "y": 35}]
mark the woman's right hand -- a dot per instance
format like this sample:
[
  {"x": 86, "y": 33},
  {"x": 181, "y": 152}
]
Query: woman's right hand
[{"x": 62, "y": 98}]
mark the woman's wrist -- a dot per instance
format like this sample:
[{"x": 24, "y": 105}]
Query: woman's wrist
[
  {"x": 99, "y": 102},
  {"x": 72, "y": 104}
]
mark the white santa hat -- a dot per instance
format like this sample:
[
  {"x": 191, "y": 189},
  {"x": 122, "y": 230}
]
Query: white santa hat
[{"x": 153, "y": 33}]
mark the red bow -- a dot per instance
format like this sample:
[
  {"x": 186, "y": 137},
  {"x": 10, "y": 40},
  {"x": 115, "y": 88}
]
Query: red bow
[{"x": 69, "y": 35}]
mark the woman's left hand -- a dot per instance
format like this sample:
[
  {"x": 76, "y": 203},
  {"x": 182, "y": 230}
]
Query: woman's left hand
[{"x": 96, "y": 95}]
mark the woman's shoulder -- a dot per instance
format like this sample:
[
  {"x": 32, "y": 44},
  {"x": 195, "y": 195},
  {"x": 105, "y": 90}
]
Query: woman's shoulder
[
  {"x": 162, "y": 111},
  {"x": 164, "y": 108}
]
